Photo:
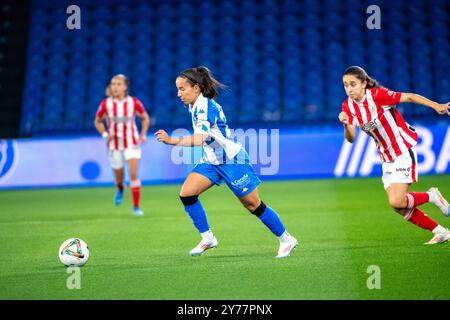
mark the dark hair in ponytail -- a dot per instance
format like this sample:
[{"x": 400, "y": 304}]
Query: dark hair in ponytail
[
  {"x": 362, "y": 75},
  {"x": 202, "y": 77}
]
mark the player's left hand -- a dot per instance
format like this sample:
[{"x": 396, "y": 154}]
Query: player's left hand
[{"x": 443, "y": 108}]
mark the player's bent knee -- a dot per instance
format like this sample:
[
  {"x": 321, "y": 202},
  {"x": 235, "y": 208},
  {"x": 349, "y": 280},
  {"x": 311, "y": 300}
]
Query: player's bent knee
[
  {"x": 397, "y": 204},
  {"x": 258, "y": 211},
  {"x": 400, "y": 211},
  {"x": 188, "y": 200}
]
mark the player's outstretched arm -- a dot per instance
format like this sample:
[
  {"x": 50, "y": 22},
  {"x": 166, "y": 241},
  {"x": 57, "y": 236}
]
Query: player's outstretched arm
[
  {"x": 443, "y": 108},
  {"x": 196, "y": 139}
]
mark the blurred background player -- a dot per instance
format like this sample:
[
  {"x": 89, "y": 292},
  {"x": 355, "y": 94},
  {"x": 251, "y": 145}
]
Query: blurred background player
[
  {"x": 372, "y": 108},
  {"x": 223, "y": 160},
  {"x": 122, "y": 136}
]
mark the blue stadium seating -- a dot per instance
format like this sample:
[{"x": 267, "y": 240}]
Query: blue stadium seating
[{"x": 281, "y": 60}]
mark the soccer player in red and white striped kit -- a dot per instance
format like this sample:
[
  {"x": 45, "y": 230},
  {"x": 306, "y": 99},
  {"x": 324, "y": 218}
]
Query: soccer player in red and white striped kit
[
  {"x": 122, "y": 136},
  {"x": 372, "y": 108}
]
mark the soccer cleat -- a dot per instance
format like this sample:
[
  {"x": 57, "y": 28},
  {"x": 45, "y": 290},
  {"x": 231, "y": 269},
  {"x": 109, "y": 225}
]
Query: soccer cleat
[
  {"x": 118, "y": 197},
  {"x": 286, "y": 248},
  {"x": 138, "y": 212},
  {"x": 440, "y": 202},
  {"x": 204, "y": 245},
  {"x": 440, "y": 237}
]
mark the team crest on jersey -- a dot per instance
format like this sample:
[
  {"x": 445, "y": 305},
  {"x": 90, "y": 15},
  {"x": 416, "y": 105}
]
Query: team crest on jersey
[
  {"x": 201, "y": 126},
  {"x": 9, "y": 157}
]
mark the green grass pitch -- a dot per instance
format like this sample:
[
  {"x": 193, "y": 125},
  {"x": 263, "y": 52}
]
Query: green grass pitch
[{"x": 343, "y": 226}]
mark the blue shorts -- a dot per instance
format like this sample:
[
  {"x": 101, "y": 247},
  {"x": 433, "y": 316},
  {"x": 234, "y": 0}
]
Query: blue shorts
[{"x": 240, "y": 178}]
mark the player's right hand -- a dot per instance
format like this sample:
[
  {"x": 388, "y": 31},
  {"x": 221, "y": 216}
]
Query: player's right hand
[
  {"x": 109, "y": 138},
  {"x": 162, "y": 136},
  {"x": 343, "y": 117}
]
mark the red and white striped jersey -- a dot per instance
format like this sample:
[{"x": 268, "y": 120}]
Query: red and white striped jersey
[
  {"x": 120, "y": 119},
  {"x": 377, "y": 116}
]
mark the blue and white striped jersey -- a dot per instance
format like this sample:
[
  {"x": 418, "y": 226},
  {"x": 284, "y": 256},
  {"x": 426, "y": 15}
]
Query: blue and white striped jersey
[{"x": 208, "y": 118}]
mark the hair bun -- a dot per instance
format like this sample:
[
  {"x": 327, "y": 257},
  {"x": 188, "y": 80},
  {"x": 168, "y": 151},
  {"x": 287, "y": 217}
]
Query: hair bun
[{"x": 202, "y": 69}]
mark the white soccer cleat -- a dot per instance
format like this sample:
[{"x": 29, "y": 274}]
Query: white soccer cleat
[
  {"x": 204, "y": 245},
  {"x": 440, "y": 237},
  {"x": 138, "y": 212},
  {"x": 286, "y": 247},
  {"x": 440, "y": 202}
]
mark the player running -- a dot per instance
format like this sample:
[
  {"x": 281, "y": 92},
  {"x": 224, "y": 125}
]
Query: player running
[
  {"x": 223, "y": 160},
  {"x": 372, "y": 108},
  {"x": 122, "y": 135}
]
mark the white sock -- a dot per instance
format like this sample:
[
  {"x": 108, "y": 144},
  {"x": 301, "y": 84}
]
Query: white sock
[
  {"x": 439, "y": 229},
  {"x": 207, "y": 235},
  {"x": 285, "y": 237}
]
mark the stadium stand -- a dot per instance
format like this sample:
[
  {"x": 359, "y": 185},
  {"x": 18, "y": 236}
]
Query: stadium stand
[{"x": 281, "y": 60}]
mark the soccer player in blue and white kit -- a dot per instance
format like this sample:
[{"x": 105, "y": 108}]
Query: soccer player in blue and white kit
[{"x": 223, "y": 160}]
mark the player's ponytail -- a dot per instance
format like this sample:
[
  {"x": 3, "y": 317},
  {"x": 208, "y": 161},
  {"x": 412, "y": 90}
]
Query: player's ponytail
[
  {"x": 202, "y": 77},
  {"x": 362, "y": 75}
]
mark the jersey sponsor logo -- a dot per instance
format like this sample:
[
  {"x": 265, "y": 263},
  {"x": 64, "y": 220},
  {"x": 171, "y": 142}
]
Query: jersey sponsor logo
[
  {"x": 370, "y": 126},
  {"x": 9, "y": 158},
  {"x": 121, "y": 119}
]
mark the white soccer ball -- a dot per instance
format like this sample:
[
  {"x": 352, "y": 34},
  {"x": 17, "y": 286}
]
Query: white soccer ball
[{"x": 74, "y": 252}]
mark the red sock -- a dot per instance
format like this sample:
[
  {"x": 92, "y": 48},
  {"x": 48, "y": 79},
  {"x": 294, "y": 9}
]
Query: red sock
[
  {"x": 136, "y": 192},
  {"x": 415, "y": 199},
  {"x": 421, "y": 219},
  {"x": 120, "y": 187}
]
